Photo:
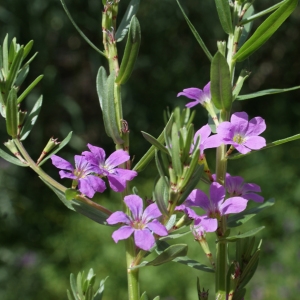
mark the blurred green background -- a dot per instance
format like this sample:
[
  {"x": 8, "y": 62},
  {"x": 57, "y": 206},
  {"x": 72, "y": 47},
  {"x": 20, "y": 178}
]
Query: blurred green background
[{"x": 41, "y": 242}]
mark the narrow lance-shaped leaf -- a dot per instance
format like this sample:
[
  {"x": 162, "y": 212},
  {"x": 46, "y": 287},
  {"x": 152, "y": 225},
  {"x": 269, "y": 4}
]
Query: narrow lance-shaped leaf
[
  {"x": 266, "y": 92},
  {"x": 220, "y": 85},
  {"x": 243, "y": 235},
  {"x": 195, "y": 33},
  {"x": 132, "y": 9},
  {"x": 101, "y": 82},
  {"x": 31, "y": 119},
  {"x": 175, "y": 150},
  {"x": 109, "y": 111},
  {"x": 224, "y": 13},
  {"x": 29, "y": 88},
  {"x": 12, "y": 114},
  {"x": 266, "y": 30},
  {"x": 152, "y": 140},
  {"x": 11, "y": 159},
  {"x": 13, "y": 71},
  {"x": 78, "y": 29},
  {"x": 5, "y": 55},
  {"x": 140, "y": 166},
  {"x": 131, "y": 51},
  {"x": 169, "y": 254}
]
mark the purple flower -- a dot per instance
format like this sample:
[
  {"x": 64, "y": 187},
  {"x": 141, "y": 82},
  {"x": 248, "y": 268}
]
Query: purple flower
[
  {"x": 215, "y": 206},
  {"x": 139, "y": 223},
  {"x": 117, "y": 177},
  {"x": 88, "y": 184},
  {"x": 200, "y": 97},
  {"x": 201, "y": 226},
  {"x": 240, "y": 133},
  {"x": 236, "y": 186},
  {"x": 204, "y": 132}
]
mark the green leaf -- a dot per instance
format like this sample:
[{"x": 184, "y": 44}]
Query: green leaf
[
  {"x": 194, "y": 180},
  {"x": 99, "y": 293},
  {"x": 266, "y": 30},
  {"x": 266, "y": 92},
  {"x": 185, "y": 260},
  {"x": 27, "y": 49},
  {"x": 11, "y": 159},
  {"x": 131, "y": 52},
  {"x": 270, "y": 145},
  {"x": 101, "y": 81},
  {"x": 144, "y": 296},
  {"x": 61, "y": 196},
  {"x": 63, "y": 143},
  {"x": 223, "y": 9},
  {"x": 175, "y": 150},
  {"x": 69, "y": 295},
  {"x": 12, "y": 114},
  {"x": 239, "y": 84},
  {"x": 89, "y": 211},
  {"x": 78, "y": 29},
  {"x": 244, "y": 216},
  {"x": 109, "y": 111},
  {"x": 161, "y": 193},
  {"x": 156, "y": 298},
  {"x": 31, "y": 119},
  {"x": 21, "y": 76},
  {"x": 174, "y": 236},
  {"x": 29, "y": 88},
  {"x": 71, "y": 194},
  {"x": 251, "y": 17},
  {"x": 143, "y": 162},
  {"x": 153, "y": 141},
  {"x": 244, "y": 235},
  {"x": 13, "y": 71},
  {"x": 247, "y": 27},
  {"x": 78, "y": 284},
  {"x": 122, "y": 30},
  {"x": 221, "y": 90},
  {"x": 5, "y": 55},
  {"x": 169, "y": 254},
  {"x": 74, "y": 286},
  {"x": 195, "y": 33}
]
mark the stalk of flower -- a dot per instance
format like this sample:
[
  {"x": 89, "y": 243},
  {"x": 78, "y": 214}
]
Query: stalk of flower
[{"x": 199, "y": 229}]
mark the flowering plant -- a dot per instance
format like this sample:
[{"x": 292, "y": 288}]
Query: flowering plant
[{"x": 179, "y": 205}]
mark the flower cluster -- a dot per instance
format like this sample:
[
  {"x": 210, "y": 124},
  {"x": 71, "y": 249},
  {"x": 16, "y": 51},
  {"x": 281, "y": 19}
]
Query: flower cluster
[{"x": 91, "y": 166}]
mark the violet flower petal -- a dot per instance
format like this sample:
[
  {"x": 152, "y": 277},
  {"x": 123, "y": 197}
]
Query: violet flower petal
[
  {"x": 144, "y": 239},
  {"x": 255, "y": 142},
  {"x": 118, "y": 217},
  {"x": 151, "y": 212},
  {"x": 233, "y": 205},
  {"x": 65, "y": 174},
  {"x": 191, "y": 93},
  {"x": 116, "y": 158},
  {"x": 157, "y": 228},
  {"x": 135, "y": 204},
  {"x": 217, "y": 193},
  {"x": 122, "y": 233},
  {"x": 61, "y": 163}
]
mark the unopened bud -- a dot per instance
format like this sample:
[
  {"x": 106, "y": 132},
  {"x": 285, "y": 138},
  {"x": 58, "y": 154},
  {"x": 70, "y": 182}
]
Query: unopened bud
[
  {"x": 13, "y": 149},
  {"x": 50, "y": 145}
]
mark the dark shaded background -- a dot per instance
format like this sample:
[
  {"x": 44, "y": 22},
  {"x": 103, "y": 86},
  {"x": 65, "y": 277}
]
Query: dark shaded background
[{"x": 41, "y": 241}]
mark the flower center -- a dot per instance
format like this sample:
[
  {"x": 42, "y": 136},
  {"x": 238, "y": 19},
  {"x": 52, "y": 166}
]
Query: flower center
[
  {"x": 137, "y": 224},
  {"x": 79, "y": 173},
  {"x": 238, "y": 139}
]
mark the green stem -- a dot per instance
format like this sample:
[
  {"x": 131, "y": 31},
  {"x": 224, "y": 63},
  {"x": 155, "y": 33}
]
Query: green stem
[
  {"x": 132, "y": 275},
  {"x": 221, "y": 270}
]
